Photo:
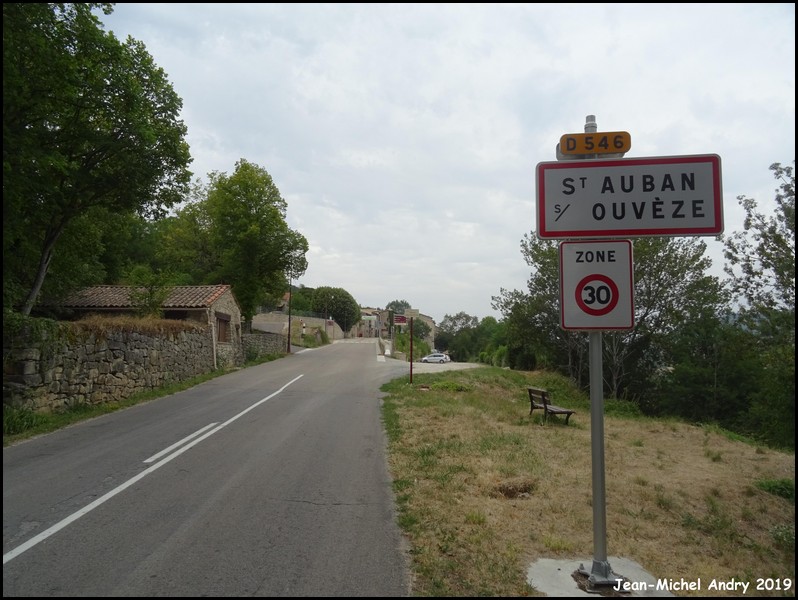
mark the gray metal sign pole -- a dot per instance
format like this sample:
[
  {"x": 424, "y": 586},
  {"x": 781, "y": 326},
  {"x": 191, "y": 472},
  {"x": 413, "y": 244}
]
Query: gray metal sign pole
[{"x": 600, "y": 573}]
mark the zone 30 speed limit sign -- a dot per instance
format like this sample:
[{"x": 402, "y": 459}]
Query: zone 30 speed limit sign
[{"x": 596, "y": 287}]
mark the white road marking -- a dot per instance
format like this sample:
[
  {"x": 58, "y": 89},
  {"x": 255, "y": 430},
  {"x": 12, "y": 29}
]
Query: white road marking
[{"x": 12, "y": 554}]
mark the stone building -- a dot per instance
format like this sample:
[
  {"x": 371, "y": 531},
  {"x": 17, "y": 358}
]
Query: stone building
[{"x": 213, "y": 305}]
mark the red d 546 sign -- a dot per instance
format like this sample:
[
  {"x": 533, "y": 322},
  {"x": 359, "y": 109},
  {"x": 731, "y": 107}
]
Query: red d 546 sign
[{"x": 596, "y": 285}]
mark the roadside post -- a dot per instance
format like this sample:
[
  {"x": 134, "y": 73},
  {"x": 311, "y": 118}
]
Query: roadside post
[
  {"x": 592, "y": 193},
  {"x": 411, "y": 313}
]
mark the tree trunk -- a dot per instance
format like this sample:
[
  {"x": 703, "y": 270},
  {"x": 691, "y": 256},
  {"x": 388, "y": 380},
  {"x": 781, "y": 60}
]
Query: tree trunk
[{"x": 44, "y": 265}]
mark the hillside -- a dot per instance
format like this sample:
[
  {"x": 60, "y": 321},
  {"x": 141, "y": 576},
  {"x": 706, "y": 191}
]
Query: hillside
[{"x": 483, "y": 491}]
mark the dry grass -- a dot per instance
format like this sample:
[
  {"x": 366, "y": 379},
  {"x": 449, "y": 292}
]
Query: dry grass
[
  {"x": 483, "y": 490},
  {"x": 102, "y": 325}
]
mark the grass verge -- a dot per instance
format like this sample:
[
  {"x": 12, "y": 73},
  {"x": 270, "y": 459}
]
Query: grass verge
[{"x": 483, "y": 490}]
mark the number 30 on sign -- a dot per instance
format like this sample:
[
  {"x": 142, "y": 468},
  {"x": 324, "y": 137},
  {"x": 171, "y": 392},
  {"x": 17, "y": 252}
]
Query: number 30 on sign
[{"x": 596, "y": 288}]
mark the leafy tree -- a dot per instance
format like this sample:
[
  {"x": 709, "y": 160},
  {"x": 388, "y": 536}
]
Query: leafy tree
[
  {"x": 128, "y": 240},
  {"x": 458, "y": 322},
  {"x": 302, "y": 299},
  {"x": 762, "y": 258},
  {"x": 338, "y": 304},
  {"x": 514, "y": 307},
  {"x": 456, "y": 335},
  {"x": 670, "y": 282},
  {"x": 150, "y": 290},
  {"x": 88, "y": 122},
  {"x": 248, "y": 233},
  {"x": 398, "y": 306},
  {"x": 491, "y": 342},
  {"x": 297, "y": 249},
  {"x": 762, "y": 266},
  {"x": 77, "y": 263},
  {"x": 420, "y": 329},
  {"x": 462, "y": 347},
  {"x": 468, "y": 339},
  {"x": 183, "y": 241},
  {"x": 713, "y": 370},
  {"x": 671, "y": 288},
  {"x": 534, "y": 337},
  {"x": 443, "y": 340}
]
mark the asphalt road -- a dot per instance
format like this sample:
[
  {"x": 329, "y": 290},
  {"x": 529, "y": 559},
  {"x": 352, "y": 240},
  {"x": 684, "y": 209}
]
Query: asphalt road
[{"x": 269, "y": 481}]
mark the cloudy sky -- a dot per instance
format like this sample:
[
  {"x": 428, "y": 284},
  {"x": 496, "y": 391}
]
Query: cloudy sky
[{"x": 404, "y": 137}]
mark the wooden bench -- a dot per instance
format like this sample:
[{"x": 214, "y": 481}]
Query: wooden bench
[{"x": 540, "y": 399}]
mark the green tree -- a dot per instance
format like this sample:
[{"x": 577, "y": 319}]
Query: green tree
[
  {"x": 128, "y": 240},
  {"x": 514, "y": 306},
  {"x": 490, "y": 337},
  {"x": 534, "y": 337},
  {"x": 297, "y": 251},
  {"x": 402, "y": 344},
  {"x": 443, "y": 339},
  {"x": 456, "y": 335},
  {"x": 761, "y": 258},
  {"x": 420, "y": 329},
  {"x": 302, "y": 299},
  {"x": 150, "y": 290},
  {"x": 670, "y": 285},
  {"x": 183, "y": 241},
  {"x": 88, "y": 122},
  {"x": 761, "y": 262},
  {"x": 713, "y": 369},
  {"x": 78, "y": 262},
  {"x": 398, "y": 306},
  {"x": 256, "y": 249},
  {"x": 337, "y": 303},
  {"x": 469, "y": 339},
  {"x": 460, "y": 321},
  {"x": 671, "y": 288}
]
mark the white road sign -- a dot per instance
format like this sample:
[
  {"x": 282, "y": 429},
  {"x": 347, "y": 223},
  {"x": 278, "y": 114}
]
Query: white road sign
[
  {"x": 630, "y": 197},
  {"x": 596, "y": 285}
]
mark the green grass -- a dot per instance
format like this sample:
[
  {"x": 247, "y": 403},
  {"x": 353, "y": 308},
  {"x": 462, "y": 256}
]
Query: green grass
[{"x": 784, "y": 488}]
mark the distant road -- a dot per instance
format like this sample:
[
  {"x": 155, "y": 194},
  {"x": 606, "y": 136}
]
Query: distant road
[{"x": 269, "y": 481}]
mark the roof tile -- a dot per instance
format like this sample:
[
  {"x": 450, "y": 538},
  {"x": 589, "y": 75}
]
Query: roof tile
[{"x": 118, "y": 296}]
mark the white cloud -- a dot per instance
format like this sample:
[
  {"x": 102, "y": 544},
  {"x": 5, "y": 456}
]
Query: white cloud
[{"x": 404, "y": 137}]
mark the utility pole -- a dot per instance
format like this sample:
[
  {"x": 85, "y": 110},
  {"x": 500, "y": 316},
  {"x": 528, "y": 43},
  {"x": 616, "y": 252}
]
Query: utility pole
[{"x": 289, "y": 315}]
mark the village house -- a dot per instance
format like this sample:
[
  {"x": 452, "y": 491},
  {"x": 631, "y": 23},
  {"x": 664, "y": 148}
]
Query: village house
[{"x": 213, "y": 305}]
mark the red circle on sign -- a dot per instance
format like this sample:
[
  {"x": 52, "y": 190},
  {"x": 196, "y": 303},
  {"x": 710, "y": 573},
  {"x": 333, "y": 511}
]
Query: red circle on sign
[{"x": 597, "y": 312}]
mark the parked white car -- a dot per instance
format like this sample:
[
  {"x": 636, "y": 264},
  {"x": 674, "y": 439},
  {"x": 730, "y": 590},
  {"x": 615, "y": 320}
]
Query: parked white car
[{"x": 437, "y": 357}]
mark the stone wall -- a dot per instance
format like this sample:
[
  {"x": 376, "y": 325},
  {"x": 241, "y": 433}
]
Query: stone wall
[
  {"x": 85, "y": 367},
  {"x": 92, "y": 369},
  {"x": 263, "y": 344},
  {"x": 277, "y": 322}
]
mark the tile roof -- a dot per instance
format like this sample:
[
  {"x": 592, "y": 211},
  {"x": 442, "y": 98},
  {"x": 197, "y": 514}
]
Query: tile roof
[{"x": 118, "y": 296}]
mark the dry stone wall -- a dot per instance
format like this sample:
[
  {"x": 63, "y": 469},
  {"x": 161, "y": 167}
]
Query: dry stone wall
[
  {"x": 93, "y": 369},
  {"x": 87, "y": 368},
  {"x": 264, "y": 344}
]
